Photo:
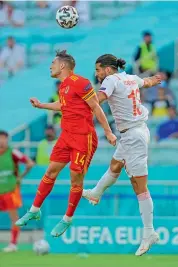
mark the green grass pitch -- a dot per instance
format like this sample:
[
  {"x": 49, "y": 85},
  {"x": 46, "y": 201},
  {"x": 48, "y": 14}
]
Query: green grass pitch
[{"x": 29, "y": 259}]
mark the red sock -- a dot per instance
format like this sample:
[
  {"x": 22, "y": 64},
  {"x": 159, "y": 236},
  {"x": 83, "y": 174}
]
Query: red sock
[
  {"x": 74, "y": 198},
  {"x": 45, "y": 187},
  {"x": 15, "y": 231}
]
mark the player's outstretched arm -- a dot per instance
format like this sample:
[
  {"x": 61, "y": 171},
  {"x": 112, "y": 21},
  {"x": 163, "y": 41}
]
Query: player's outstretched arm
[
  {"x": 55, "y": 106},
  {"x": 152, "y": 81},
  {"x": 97, "y": 110}
]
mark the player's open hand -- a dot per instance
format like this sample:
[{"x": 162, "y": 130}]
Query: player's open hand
[
  {"x": 35, "y": 102},
  {"x": 111, "y": 138}
]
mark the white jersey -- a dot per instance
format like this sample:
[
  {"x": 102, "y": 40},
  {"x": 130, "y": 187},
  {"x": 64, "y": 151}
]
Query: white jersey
[{"x": 123, "y": 95}]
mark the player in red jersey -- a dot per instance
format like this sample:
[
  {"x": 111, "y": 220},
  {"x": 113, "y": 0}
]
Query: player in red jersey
[{"x": 77, "y": 142}]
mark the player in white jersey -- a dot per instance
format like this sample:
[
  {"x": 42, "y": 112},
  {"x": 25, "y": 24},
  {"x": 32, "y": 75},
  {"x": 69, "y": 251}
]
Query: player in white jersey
[{"x": 123, "y": 95}]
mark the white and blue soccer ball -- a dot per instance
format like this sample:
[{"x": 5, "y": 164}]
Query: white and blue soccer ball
[
  {"x": 67, "y": 17},
  {"x": 41, "y": 247}
]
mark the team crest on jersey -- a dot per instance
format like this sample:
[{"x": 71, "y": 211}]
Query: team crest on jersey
[{"x": 66, "y": 89}]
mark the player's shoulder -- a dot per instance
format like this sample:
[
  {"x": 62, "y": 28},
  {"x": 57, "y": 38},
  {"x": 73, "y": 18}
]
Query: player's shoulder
[
  {"x": 80, "y": 81},
  {"x": 75, "y": 78},
  {"x": 110, "y": 79}
]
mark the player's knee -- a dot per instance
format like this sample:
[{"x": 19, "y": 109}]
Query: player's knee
[
  {"x": 76, "y": 178},
  {"x": 116, "y": 167},
  {"x": 13, "y": 214},
  {"x": 54, "y": 169},
  {"x": 135, "y": 186},
  {"x": 51, "y": 173},
  {"x": 139, "y": 184}
]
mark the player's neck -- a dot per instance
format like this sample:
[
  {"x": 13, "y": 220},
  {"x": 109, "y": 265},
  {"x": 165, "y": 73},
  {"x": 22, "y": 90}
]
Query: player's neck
[
  {"x": 63, "y": 76},
  {"x": 115, "y": 71}
]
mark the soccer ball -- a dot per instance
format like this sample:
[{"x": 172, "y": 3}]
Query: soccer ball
[
  {"x": 67, "y": 17},
  {"x": 41, "y": 247}
]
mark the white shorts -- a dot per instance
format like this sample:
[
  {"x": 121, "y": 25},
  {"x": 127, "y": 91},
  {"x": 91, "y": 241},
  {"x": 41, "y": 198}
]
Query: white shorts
[{"x": 133, "y": 149}]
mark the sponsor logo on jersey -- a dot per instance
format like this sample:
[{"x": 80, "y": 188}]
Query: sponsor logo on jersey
[
  {"x": 88, "y": 87},
  {"x": 130, "y": 83},
  {"x": 102, "y": 89}
]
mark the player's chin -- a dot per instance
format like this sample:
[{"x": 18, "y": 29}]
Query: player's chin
[{"x": 53, "y": 75}]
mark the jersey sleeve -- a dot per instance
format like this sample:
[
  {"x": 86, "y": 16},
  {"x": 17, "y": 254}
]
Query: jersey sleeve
[
  {"x": 84, "y": 89},
  {"x": 107, "y": 86},
  {"x": 19, "y": 157},
  {"x": 139, "y": 81}
]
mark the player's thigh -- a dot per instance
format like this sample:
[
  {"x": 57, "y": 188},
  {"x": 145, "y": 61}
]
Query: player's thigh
[
  {"x": 116, "y": 165},
  {"x": 11, "y": 200},
  {"x": 136, "y": 152},
  {"x": 82, "y": 155},
  {"x": 60, "y": 156}
]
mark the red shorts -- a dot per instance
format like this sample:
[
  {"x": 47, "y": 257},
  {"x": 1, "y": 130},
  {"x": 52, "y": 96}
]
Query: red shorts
[
  {"x": 75, "y": 148},
  {"x": 11, "y": 200}
]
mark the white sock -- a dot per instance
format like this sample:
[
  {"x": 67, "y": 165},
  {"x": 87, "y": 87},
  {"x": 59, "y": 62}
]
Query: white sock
[
  {"x": 146, "y": 211},
  {"x": 108, "y": 179},
  {"x": 67, "y": 218},
  {"x": 34, "y": 209}
]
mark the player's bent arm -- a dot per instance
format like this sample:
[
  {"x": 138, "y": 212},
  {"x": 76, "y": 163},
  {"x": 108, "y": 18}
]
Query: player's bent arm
[
  {"x": 55, "y": 106},
  {"x": 151, "y": 81},
  {"x": 29, "y": 164},
  {"x": 97, "y": 110}
]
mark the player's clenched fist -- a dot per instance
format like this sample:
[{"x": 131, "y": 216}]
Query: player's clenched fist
[
  {"x": 35, "y": 102},
  {"x": 111, "y": 138}
]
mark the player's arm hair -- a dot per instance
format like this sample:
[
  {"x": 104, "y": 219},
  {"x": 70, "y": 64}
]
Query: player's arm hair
[
  {"x": 101, "y": 97},
  {"x": 55, "y": 106},
  {"x": 152, "y": 81},
  {"x": 97, "y": 110},
  {"x": 29, "y": 164}
]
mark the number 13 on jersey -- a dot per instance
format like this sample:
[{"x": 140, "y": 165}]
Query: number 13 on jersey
[{"x": 135, "y": 97}]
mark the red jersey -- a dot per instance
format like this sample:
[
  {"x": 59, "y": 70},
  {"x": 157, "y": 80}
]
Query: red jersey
[{"x": 77, "y": 116}]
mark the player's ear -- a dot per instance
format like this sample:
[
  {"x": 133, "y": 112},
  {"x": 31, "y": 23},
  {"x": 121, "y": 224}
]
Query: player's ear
[
  {"x": 62, "y": 65},
  {"x": 108, "y": 70}
]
